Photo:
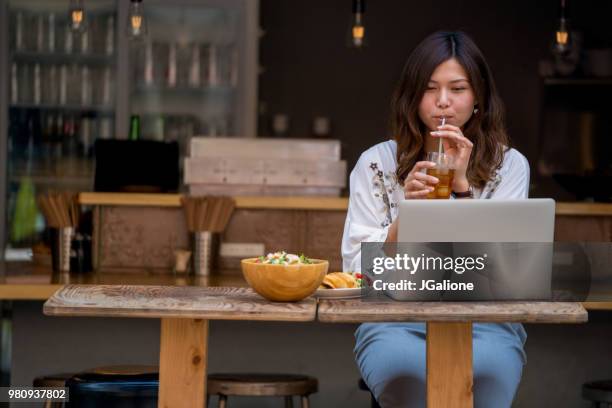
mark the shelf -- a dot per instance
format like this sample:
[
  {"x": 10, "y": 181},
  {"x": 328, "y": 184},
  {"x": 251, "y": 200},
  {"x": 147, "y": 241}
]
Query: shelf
[
  {"x": 578, "y": 81},
  {"x": 80, "y": 182},
  {"x": 62, "y": 58},
  {"x": 68, "y": 107},
  {"x": 184, "y": 91}
]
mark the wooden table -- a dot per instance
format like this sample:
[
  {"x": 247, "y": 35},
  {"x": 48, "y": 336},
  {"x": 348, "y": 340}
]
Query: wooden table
[
  {"x": 184, "y": 313},
  {"x": 449, "y": 333}
]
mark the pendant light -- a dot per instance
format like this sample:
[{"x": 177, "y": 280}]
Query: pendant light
[
  {"x": 137, "y": 24},
  {"x": 562, "y": 34},
  {"x": 357, "y": 28},
  {"x": 76, "y": 16}
]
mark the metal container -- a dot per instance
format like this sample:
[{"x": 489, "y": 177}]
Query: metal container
[
  {"x": 205, "y": 249},
  {"x": 61, "y": 239}
]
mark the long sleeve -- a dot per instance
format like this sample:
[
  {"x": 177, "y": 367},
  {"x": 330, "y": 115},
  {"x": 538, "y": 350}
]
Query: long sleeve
[
  {"x": 368, "y": 216},
  {"x": 514, "y": 177}
]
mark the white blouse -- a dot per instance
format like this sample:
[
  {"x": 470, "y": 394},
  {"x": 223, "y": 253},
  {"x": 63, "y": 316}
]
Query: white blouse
[{"x": 375, "y": 195}]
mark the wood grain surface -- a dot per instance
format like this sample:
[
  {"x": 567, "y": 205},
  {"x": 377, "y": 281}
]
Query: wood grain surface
[
  {"x": 182, "y": 363},
  {"x": 301, "y": 203},
  {"x": 449, "y": 365},
  {"x": 360, "y": 310},
  {"x": 218, "y": 303}
]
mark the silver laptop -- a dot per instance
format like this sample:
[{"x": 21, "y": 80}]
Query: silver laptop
[{"x": 514, "y": 271}]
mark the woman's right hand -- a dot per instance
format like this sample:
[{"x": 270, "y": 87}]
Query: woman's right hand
[{"x": 418, "y": 184}]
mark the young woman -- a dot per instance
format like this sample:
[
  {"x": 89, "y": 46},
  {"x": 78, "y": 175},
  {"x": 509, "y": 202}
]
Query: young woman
[{"x": 446, "y": 76}]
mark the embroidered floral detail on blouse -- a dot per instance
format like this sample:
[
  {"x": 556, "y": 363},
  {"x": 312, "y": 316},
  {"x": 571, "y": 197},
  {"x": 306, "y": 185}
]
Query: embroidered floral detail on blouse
[
  {"x": 383, "y": 191},
  {"x": 492, "y": 185}
]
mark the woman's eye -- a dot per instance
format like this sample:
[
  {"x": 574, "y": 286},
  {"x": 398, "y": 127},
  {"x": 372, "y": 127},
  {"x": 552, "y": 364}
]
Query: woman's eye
[
  {"x": 459, "y": 89},
  {"x": 431, "y": 88}
]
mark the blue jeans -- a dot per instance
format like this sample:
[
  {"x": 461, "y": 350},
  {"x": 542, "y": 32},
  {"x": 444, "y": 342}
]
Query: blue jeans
[{"x": 391, "y": 358}]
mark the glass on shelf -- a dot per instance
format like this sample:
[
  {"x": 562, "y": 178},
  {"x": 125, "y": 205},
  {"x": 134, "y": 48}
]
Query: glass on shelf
[
  {"x": 24, "y": 83},
  {"x": 51, "y": 86}
]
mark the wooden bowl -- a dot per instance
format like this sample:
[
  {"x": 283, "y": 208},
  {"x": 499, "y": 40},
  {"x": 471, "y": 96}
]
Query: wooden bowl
[{"x": 284, "y": 283}]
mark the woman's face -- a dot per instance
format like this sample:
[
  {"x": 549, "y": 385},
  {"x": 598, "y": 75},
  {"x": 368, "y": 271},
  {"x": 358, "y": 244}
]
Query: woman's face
[{"x": 449, "y": 94}]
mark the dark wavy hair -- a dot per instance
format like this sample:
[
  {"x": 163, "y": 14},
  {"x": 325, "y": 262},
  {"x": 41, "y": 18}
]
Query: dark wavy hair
[{"x": 485, "y": 129}]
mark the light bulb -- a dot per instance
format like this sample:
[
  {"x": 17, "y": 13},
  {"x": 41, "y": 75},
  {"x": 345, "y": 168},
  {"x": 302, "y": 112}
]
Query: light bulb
[
  {"x": 562, "y": 33},
  {"x": 76, "y": 15},
  {"x": 357, "y": 29},
  {"x": 137, "y": 24}
]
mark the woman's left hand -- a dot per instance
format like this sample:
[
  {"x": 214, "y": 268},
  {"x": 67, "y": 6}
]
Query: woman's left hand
[{"x": 459, "y": 148}]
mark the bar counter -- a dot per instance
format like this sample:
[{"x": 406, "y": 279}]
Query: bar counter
[
  {"x": 26, "y": 281},
  {"x": 292, "y": 203}
]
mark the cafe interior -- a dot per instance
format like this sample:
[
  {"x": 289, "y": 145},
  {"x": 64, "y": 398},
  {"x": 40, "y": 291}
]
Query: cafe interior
[{"x": 149, "y": 147}]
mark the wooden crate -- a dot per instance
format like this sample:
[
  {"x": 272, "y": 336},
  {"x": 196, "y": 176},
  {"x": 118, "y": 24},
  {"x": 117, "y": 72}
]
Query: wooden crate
[
  {"x": 281, "y": 148},
  {"x": 265, "y": 171},
  {"x": 261, "y": 190}
]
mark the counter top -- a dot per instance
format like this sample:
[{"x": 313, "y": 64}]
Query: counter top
[
  {"x": 250, "y": 202},
  {"x": 361, "y": 310},
  {"x": 212, "y": 303},
  {"x": 26, "y": 281},
  {"x": 295, "y": 203}
]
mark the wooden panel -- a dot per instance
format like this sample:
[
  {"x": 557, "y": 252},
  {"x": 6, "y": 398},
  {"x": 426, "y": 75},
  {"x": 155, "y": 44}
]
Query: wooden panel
[
  {"x": 220, "y": 303},
  {"x": 583, "y": 228},
  {"x": 361, "y": 310},
  {"x": 126, "y": 238},
  {"x": 282, "y": 148},
  {"x": 182, "y": 363},
  {"x": 137, "y": 237},
  {"x": 262, "y": 190},
  {"x": 584, "y": 209},
  {"x": 276, "y": 229},
  {"x": 323, "y": 238},
  {"x": 265, "y": 170},
  {"x": 449, "y": 365}
]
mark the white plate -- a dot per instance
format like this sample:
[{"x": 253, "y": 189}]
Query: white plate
[{"x": 338, "y": 293}]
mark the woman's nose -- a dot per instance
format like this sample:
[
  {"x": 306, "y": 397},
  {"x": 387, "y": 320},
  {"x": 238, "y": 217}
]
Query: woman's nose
[{"x": 443, "y": 100}]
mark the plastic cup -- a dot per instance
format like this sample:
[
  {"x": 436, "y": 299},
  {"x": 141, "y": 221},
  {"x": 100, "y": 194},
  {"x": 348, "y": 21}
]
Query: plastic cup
[{"x": 444, "y": 172}]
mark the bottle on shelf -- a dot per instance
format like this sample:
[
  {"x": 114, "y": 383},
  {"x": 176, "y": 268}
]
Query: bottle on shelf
[
  {"x": 194, "y": 67},
  {"x": 19, "y": 32},
  {"x": 148, "y": 64},
  {"x": 14, "y": 84},
  {"x": 134, "y": 127},
  {"x": 171, "y": 80},
  {"x": 110, "y": 35},
  {"x": 37, "y": 85},
  {"x": 85, "y": 86},
  {"x": 51, "y": 32},
  {"x": 68, "y": 40},
  {"x": 40, "y": 33},
  {"x": 63, "y": 85}
]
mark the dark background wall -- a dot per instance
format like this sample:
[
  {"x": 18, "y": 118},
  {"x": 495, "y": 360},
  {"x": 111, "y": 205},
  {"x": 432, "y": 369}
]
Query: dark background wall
[{"x": 308, "y": 70}]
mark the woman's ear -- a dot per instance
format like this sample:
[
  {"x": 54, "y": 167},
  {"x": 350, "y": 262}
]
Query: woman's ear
[{"x": 476, "y": 108}]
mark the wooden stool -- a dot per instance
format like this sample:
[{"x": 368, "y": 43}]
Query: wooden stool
[
  {"x": 598, "y": 392},
  {"x": 363, "y": 386},
  {"x": 52, "y": 381},
  {"x": 273, "y": 385}
]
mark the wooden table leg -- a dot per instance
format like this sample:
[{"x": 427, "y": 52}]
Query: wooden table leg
[
  {"x": 449, "y": 365},
  {"x": 182, "y": 363}
]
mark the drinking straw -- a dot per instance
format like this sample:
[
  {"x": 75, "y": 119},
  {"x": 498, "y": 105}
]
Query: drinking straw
[{"x": 440, "y": 143}]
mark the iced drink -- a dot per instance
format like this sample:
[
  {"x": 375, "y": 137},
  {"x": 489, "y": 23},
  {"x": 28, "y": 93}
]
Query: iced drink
[{"x": 444, "y": 172}]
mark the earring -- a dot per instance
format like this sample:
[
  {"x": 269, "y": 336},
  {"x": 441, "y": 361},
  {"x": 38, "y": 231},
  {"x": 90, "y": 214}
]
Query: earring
[{"x": 475, "y": 109}]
